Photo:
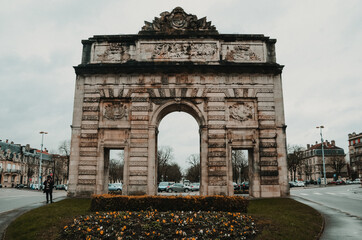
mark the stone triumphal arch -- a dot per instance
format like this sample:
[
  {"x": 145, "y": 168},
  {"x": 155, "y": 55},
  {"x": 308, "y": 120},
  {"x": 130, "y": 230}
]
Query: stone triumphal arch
[{"x": 230, "y": 83}]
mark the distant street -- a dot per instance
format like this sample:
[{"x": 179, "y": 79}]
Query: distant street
[
  {"x": 14, "y": 202},
  {"x": 340, "y": 205}
]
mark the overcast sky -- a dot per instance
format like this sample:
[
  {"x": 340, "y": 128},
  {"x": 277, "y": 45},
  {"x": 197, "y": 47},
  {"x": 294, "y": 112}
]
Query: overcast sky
[{"x": 319, "y": 42}]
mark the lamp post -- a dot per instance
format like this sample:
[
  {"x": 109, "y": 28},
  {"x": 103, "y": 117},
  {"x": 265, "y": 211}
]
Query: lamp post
[
  {"x": 324, "y": 164},
  {"x": 41, "y": 156}
]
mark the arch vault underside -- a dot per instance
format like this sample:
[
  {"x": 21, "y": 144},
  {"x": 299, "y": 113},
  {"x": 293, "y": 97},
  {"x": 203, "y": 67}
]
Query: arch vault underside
[{"x": 231, "y": 85}]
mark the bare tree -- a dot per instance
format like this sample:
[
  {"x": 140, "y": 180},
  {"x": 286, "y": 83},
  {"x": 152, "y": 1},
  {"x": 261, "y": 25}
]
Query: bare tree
[
  {"x": 116, "y": 170},
  {"x": 193, "y": 172},
  {"x": 294, "y": 159},
  {"x": 164, "y": 158},
  {"x": 64, "y": 149},
  {"x": 337, "y": 163},
  {"x": 239, "y": 165}
]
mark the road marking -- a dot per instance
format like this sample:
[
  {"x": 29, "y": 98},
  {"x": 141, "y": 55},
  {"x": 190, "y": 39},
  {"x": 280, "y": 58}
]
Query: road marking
[
  {"x": 330, "y": 193},
  {"x": 304, "y": 194},
  {"x": 317, "y": 193}
]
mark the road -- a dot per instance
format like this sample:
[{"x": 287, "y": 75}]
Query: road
[
  {"x": 15, "y": 202},
  {"x": 341, "y": 207}
]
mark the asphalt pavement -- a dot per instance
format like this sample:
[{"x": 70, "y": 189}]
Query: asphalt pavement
[
  {"x": 15, "y": 202},
  {"x": 341, "y": 207}
]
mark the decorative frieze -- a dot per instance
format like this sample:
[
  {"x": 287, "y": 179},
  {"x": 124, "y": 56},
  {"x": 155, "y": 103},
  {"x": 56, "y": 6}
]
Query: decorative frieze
[{"x": 216, "y": 108}]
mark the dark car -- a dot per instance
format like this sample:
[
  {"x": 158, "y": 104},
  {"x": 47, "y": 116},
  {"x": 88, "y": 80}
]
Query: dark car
[
  {"x": 162, "y": 186},
  {"x": 178, "y": 187},
  {"x": 1, "y": 185},
  {"x": 60, "y": 187},
  {"x": 20, "y": 186},
  {"x": 340, "y": 182},
  {"x": 244, "y": 185}
]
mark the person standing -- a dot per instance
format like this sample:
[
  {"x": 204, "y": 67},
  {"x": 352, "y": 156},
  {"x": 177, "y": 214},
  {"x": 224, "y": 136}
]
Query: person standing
[{"x": 48, "y": 188}]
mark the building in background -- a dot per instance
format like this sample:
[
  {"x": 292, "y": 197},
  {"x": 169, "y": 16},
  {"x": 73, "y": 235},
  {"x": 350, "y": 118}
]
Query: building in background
[
  {"x": 355, "y": 154},
  {"x": 20, "y": 165},
  {"x": 311, "y": 165}
]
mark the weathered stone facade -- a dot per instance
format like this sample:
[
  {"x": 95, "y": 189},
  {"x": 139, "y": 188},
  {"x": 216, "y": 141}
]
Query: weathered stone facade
[{"x": 231, "y": 85}]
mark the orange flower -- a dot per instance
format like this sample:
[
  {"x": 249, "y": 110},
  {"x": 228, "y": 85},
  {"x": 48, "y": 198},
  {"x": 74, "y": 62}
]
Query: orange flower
[
  {"x": 65, "y": 227},
  {"x": 101, "y": 232}
]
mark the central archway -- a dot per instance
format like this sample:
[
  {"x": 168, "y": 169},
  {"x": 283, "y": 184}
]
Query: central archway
[{"x": 176, "y": 105}]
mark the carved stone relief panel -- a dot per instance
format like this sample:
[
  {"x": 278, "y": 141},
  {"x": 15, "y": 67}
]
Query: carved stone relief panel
[
  {"x": 243, "y": 52},
  {"x": 111, "y": 53},
  {"x": 241, "y": 113},
  {"x": 114, "y": 111},
  {"x": 179, "y": 51}
]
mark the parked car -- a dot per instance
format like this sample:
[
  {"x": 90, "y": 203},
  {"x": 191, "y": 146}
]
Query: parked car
[
  {"x": 236, "y": 186},
  {"x": 299, "y": 184},
  {"x": 195, "y": 187},
  {"x": 177, "y": 187},
  {"x": 1, "y": 185},
  {"x": 357, "y": 181},
  {"x": 349, "y": 182},
  {"x": 291, "y": 184},
  {"x": 34, "y": 186},
  {"x": 244, "y": 186},
  {"x": 340, "y": 182},
  {"x": 20, "y": 186},
  {"x": 114, "y": 187},
  {"x": 162, "y": 186},
  {"x": 60, "y": 187}
]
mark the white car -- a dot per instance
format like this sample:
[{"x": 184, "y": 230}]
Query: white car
[
  {"x": 299, "y": 184},
  {"x": 357, "y": 181}
]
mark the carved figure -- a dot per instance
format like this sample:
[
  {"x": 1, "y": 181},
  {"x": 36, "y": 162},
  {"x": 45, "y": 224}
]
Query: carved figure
[
  {"x": 242, "y": 52},
  {"x": 115, "y": 111},
  {"x": 184, "y": 50},
  {"x": 178, "y": 20},
  {"x": 241, "y": 112}
]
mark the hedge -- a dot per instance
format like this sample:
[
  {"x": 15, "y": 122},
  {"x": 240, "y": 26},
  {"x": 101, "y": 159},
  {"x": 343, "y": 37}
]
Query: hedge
[{"x": 108, "y": 202}]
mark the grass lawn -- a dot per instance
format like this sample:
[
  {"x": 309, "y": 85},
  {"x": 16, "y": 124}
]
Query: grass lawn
[{"x": 279, "y": 218}]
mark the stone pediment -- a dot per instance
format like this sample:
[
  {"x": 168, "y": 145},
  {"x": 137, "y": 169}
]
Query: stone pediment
[{"x": 178, "y": 21}]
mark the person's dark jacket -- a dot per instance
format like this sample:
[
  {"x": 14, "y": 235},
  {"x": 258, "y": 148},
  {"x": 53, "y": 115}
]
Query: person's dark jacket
[{"x": 48, "y": 185}]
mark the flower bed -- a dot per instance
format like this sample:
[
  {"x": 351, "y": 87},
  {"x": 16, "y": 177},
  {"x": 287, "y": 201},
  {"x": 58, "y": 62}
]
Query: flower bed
[
  {"x": 161, "y": 225},
  {"x": 107, "y": 202}
]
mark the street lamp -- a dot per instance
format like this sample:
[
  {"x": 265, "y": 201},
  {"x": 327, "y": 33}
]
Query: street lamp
[
  {"x": 324, "y": 164},
  {"x": 41, "y": 156}
]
